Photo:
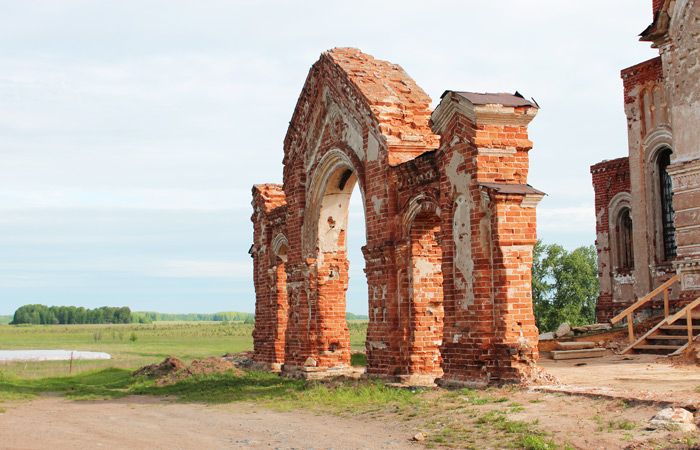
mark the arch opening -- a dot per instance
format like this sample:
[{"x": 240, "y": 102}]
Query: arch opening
[{"x": 333, "y": 264}]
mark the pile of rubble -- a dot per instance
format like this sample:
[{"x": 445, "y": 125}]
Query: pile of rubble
[
  {"x": 172, "y": 369},
  {"x": 566, "y": 330}
]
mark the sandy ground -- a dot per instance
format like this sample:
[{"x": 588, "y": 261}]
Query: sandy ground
[
  {"x": 153, "y": 423},
  {"x": 645, "y": 372}
]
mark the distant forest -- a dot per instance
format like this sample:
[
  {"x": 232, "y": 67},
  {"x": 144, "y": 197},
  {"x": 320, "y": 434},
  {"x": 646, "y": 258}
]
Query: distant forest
[
  {"x": 65, "y": 315},
  {"x": 226, "y": 316}
]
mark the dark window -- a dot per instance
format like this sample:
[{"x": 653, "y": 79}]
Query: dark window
[
  {"x": 625, "y": 239},
  {"x": 666, "y": 188}
]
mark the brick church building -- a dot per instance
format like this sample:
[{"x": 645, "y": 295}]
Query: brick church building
[{"x": 648, "y": 203}]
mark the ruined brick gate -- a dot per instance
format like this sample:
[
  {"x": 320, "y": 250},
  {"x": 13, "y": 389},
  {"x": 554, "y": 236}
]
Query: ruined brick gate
[{"x": 450, "y": 226}]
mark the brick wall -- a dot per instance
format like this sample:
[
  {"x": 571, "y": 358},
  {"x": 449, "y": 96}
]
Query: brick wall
[
  {"x": 639, "y": 74},
  {"x": 269, "y": 275}
]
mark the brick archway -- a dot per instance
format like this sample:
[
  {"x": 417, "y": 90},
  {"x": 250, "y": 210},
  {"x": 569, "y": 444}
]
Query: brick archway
[
  {"x": 325, "y": 243},
  {"x": 450, "y": 225}
]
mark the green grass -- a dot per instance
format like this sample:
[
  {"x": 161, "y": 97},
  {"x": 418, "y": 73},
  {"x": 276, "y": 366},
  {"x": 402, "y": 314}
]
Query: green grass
[
  {"x": 355, "y": 396},
  {"x": 106, "y": 383},
  {"x": 536, "y": 442}
]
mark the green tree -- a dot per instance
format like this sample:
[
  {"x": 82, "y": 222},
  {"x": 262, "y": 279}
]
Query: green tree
[{"x": 564, "y": 286}]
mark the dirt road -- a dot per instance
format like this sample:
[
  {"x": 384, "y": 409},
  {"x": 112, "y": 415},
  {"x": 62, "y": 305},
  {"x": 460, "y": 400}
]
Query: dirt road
[{"x": 153, "y": 423}]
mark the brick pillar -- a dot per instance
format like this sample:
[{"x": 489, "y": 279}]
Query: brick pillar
[
  {"x": 515, "y": 333},
  {"x": 488, "y": 217}
]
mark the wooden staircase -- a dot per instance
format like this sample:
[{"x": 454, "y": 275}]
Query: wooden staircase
[{"x": 672, "y": 335}]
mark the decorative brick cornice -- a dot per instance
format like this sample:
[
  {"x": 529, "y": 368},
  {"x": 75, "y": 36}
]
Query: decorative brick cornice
[{"x": 488, "y": 114}]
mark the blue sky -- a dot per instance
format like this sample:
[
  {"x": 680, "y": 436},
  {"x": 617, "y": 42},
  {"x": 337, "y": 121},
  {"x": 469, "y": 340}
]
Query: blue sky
[{"x": 131, "y": 132}]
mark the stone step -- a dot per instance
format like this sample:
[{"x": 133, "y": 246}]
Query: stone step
[
  {"x": 575, "y": 345},
  {"x": 579, "y": 354}
]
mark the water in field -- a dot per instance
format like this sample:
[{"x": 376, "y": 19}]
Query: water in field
[{"x": 49, "y": 355}]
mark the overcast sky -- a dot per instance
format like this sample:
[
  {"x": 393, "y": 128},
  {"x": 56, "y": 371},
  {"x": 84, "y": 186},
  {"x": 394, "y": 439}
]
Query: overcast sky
[{"x": 131, "y": 132}]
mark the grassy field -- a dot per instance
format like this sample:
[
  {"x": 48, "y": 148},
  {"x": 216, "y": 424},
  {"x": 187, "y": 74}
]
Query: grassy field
[{"x": 133, "y": 346}]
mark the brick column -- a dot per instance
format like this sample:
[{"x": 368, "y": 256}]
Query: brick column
[{"x": 489, "y": 229}]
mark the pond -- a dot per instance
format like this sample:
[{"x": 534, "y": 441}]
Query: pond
[{"x": 48, "y": 355}]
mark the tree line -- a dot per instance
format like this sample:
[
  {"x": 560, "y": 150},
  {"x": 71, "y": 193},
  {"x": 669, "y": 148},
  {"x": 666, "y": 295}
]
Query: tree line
[{"x": 65, "y": 315}]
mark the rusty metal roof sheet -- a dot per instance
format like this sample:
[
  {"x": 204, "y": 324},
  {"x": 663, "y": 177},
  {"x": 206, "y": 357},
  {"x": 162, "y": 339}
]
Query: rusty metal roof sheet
[
  {"x": 511, "y": 188},
  {"x": 514, "y": 100}
]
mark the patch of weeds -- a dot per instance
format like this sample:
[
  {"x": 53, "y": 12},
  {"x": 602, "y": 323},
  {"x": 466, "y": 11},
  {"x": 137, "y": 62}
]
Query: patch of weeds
[
  {"x": 626, "y": 425},
  {"x": 536, "y": 442},
  {"x": 622, "y": 404},
  {"x": 481, "y": 400},
  {"x": 491, "y": 417},
  {"x": 514, "y": 426},
  {"x": 474, "y": 398},
  {"x": 536, "y": 400},
  {"x": 501, "y": 400},
  {"x": 516, "y": 407}
]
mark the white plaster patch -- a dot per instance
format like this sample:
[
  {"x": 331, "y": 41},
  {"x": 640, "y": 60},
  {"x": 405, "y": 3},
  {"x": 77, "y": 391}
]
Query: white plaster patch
[
  {"x": 459, "y": 181},
  {"x": 377, "y": 344},
  {"x": 377, "y": 204},
  {"x": 424, "y": 268},
  {"x": 372, "y": 148},
  {"x": 352, "y": 135},
  {"x": 463, "y": 263},
  {"x": 624, "y": 278}
]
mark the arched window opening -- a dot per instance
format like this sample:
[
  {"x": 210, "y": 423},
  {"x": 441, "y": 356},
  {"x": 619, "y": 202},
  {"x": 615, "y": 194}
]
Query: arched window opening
[
  {"x": 625, "y": 240},
  {"x": 666, "y": 195}
]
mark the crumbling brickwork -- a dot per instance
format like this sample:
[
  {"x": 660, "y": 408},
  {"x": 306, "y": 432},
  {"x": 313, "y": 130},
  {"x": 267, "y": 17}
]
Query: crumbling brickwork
[
  {"x": 450, "y": 224},
  {"x": 661, "y": 98}
]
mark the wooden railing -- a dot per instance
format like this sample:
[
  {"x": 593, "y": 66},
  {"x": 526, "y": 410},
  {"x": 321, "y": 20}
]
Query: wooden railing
[{"x": 628, "y": 312}]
